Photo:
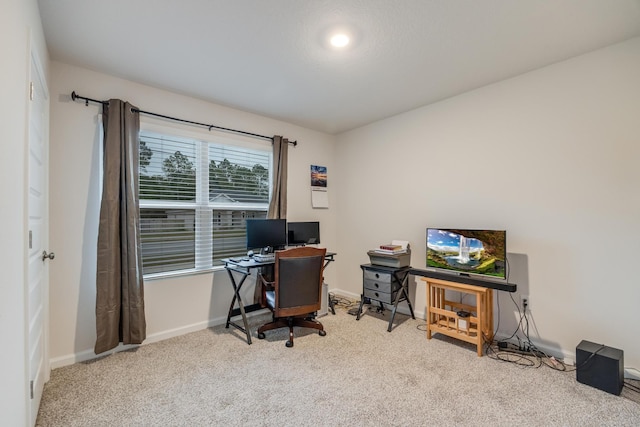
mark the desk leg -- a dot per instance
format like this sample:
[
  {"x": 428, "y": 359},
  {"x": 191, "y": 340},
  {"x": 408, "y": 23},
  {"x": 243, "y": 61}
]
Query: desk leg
[
  {"x": 236, "y": 296},
  {"x": 236, "y": 289},
  {"x": 360, "y": 307},
  {"x": 403, "y": 291},
  {"x": 395, "y": 307},
  {"x": 393, "y": 312}
]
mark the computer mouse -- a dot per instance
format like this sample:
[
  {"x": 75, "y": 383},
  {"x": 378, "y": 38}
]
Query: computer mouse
[{"x": 250, "y": 253}]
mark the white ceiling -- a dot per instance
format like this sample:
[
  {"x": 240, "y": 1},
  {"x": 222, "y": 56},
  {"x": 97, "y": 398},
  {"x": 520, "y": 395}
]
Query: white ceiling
[{"x": 270, "y": 57}]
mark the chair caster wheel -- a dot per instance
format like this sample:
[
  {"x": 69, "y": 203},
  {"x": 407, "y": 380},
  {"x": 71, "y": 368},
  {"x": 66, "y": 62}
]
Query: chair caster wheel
[
  {"x": 289, "y": 344},
  {"x": 322, "y": 333},
  {"x": 261, "y": 335}
]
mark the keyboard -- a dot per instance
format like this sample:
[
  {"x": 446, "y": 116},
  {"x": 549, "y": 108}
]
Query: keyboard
[{"x": 264, "y": 258}]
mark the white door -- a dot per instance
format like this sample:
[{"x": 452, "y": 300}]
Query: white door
[{"x": 38, "y": 271}]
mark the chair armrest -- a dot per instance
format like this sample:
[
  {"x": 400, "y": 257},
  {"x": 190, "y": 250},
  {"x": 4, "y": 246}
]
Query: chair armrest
[
  {"x": 266, "y": 286},
  {"x": 265, "y": 283}
]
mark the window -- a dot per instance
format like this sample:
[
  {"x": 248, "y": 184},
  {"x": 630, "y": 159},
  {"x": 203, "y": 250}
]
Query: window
[{"x": 194, "y": 198}]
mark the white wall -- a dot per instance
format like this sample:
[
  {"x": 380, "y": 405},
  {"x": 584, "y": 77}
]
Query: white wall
[
  {"x": 176, "y": 305},
  {"x": 21, "y": 30},
  {"x": 551, "y": 156}
]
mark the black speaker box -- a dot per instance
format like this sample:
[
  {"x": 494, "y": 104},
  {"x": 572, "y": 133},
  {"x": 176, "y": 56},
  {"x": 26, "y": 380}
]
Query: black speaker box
[{"x": 600, "y": 366}]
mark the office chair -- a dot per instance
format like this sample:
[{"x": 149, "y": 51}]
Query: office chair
[{"x": 296, "y": 293}]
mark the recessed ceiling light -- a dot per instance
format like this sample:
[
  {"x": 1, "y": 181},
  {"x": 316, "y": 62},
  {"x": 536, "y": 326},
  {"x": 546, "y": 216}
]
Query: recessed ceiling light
[{"x": 339, "y": 40}]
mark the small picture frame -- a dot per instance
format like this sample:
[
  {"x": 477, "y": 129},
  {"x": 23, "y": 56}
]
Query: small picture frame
[{"x": 318, "y": 176}]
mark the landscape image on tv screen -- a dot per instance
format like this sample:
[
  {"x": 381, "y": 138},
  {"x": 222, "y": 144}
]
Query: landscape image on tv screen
[{"x": 481, "y": 252}]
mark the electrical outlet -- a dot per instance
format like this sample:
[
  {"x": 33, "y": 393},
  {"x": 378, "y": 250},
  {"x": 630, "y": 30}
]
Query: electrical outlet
[{"x": 524, "y": 302}]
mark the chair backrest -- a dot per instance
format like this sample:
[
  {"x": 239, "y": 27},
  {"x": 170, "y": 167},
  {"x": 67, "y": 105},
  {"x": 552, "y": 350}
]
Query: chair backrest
[{"x": 298, "y": 281}]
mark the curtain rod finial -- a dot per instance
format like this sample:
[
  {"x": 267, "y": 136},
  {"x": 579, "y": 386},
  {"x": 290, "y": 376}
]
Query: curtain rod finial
[{"x": 73, "y": 95}]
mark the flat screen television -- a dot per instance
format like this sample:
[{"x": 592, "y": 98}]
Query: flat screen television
[
  {"x": 303, "y": 233},
  {"x": 266, "y": 234},
  {"x": 481, "y": 253}
]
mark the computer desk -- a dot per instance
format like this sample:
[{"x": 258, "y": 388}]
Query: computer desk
[{"x": 238, "y": 272}]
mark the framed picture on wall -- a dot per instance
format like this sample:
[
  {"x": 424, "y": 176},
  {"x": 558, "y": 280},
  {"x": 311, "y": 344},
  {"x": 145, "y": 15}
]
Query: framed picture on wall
[{"x": 319, "y": 176}]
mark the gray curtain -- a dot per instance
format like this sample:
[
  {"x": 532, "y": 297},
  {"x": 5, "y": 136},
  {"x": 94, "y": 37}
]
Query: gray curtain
[
  {"x": 278, "y": 203},
  {"x": 119, "y": 285}
]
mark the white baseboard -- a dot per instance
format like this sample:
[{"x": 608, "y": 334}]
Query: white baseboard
[
  {"x": 632, "y": 373},
  {"x": 346, "y": 294},
  {"x": 88, "y": 354}
]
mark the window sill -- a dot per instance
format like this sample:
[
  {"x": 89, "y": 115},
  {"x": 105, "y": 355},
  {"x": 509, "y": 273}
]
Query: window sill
[{"x": 172, "y": 274}]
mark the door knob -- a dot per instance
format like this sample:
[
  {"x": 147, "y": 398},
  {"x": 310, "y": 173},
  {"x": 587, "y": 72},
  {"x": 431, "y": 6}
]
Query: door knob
[{"x": 46, "y": 255}]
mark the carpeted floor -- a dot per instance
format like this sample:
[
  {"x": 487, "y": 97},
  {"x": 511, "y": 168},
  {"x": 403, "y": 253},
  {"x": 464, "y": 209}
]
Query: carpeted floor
[{"x": 358, "y": 374}]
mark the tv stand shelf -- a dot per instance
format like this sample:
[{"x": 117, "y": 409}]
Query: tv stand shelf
[{"x": 443, "y": 318}]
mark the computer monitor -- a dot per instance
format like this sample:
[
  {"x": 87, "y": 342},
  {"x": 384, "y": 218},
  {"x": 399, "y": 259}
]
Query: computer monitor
[
  {"x": 303, "y": 233},
  {"x": 266, "y": 234}
]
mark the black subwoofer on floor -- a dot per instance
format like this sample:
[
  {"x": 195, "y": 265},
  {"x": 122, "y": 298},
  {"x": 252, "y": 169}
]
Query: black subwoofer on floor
[{"x": 600, "y": 366}]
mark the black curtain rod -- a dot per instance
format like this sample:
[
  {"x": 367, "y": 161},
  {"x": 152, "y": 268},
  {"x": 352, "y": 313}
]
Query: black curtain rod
[{"x": 75, "y": 96}]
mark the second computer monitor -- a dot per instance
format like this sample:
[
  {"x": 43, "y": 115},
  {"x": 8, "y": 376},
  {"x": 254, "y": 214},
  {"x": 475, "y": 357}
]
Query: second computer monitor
[
  {"x": 303, "y": 233},
  {"x": 266, "y": 233}
]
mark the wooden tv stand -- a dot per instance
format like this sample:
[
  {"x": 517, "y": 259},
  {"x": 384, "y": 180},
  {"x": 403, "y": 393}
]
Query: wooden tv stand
[{"x": 443, "y": 318}]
